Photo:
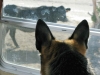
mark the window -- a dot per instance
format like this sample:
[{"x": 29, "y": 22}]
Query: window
[
  {"x": 19, "y": 19},
  {"x": 55, "y": 11},
  {"x": 19, "y": 46}
]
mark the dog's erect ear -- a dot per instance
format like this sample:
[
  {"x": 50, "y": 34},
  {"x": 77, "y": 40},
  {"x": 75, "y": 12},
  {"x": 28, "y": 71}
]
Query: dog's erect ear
[
  {"x": 81, "y": 33},
  {"x": 43, "y": 35}
]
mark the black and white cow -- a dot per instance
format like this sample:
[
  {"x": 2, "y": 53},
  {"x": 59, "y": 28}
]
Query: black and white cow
[{"x": 47, "y": 13}]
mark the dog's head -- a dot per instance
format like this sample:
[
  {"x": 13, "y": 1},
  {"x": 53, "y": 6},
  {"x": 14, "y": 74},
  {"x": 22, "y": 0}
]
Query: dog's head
[{"x": 53, "y": 50}]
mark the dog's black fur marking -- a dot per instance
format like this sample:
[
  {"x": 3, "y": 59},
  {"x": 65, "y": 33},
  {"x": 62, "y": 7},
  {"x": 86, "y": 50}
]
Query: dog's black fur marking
[
  {"x": 41, "y": 26},
  {"x": 82, "y": 32}
]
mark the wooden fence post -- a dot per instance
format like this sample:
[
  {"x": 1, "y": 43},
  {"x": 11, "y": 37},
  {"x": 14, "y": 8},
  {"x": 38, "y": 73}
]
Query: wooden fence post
[{"x": 1, "y": 3}]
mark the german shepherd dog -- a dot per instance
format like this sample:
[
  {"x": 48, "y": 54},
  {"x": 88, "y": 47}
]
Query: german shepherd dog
[{"x": 63, "y": 57}]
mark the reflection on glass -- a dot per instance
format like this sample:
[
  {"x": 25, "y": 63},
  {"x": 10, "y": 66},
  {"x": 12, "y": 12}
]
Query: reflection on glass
[{"x": 19, "y": 46}]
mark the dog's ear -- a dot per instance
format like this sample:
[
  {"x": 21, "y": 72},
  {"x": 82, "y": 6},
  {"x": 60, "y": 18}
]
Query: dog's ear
[
  {"x": 43, "y": 35},
  {"x": 81, "y": 33}
]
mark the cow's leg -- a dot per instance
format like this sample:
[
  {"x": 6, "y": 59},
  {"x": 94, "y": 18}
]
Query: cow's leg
[{"x": 12, "y": 34}]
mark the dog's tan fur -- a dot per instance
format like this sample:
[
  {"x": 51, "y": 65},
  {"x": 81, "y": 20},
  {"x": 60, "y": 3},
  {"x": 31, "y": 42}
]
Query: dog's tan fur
[
  {"x": 49, "y": 57},
  {"x": 80, "y": 47}
]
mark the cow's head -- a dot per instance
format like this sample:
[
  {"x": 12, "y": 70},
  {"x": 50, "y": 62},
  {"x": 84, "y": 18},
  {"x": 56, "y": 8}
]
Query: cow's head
[{"x": 60, "y": 14}]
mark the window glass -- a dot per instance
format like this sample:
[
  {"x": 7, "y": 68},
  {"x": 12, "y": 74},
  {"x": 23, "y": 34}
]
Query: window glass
[
  {"x": 19, "y": 46},
  {"x": 19, "y": 42},
  {"x": 22, "y": 50},
  {"x": 93, "y": 52},
  {"x": 69, "y": 12}
]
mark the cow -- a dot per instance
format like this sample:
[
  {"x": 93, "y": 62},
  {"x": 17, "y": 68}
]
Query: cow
[{"x": 46, "y": 13}]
